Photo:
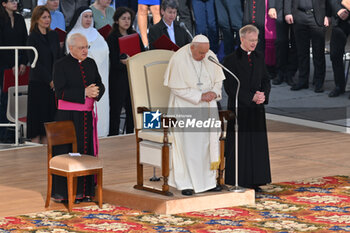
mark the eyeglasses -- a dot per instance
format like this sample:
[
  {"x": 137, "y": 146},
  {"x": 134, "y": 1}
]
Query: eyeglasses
[
  {"x": 13, "y": 1},
  {"x": 254, "y": 41},
  {"x": 83, "y": 47}
]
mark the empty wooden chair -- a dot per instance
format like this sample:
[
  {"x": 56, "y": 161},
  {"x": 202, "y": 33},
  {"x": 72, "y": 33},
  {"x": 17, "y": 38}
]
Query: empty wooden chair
[{"x": 71, "y": 167}]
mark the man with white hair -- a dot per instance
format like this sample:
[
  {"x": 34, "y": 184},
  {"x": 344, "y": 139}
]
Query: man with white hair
[
  {"x": 77, "y": 85},
  {"x": 195, "y": 85}
]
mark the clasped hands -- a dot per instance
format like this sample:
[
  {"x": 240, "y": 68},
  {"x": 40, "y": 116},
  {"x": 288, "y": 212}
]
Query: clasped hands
[
  {"x": 208, "y": 96},
  {"x": 92, "y": 91},
  {"x": 259, "y": 97}
]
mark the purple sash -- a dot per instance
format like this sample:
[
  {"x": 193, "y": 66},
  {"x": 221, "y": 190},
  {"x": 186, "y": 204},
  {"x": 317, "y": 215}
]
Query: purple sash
[
  {"x": 270, "y": 37},
  {"x": 89, "y": 107}
]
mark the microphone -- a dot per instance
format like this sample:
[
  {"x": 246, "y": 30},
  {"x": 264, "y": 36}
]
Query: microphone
[
  {"x": 235, "y": 188},
  {"x": 182, "y": 24}
]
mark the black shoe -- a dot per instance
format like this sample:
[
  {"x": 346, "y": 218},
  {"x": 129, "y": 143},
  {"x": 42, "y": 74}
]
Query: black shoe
[
  {"x": 257, "y": 189},
  {"x": 218, "y": 188},
  {"x": 299, "y": 86},
  {"x": 77, "y": 201},
  {"x": 289, "y": 80},
  {"x": 278, "y": 80},
  {"x": 336, "y": 92},
  {"x": 318, "y": 90},
  {"x": 86, "y": 199},
  {"x": 187, "y": 192}
]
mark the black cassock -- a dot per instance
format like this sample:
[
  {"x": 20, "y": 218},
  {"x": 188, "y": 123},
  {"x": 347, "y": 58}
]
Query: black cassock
[
  {"x": 253, "y": 152},
  {"x": 254, "y": 13},
  {"x": 71, "y": 77}
]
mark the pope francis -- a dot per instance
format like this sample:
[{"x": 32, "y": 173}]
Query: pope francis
[{"x": 195, "y": 85}]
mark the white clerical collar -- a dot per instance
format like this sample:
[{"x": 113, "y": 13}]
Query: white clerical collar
[{"x": 248, "y": 52}]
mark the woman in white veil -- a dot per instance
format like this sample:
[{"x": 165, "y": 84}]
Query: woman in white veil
[{"x": 83, "y": 23}]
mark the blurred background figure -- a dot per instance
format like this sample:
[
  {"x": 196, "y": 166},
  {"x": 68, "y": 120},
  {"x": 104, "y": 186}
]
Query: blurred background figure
[
  {"x": 286, "y": 52},
  {"x": 255, "y": 12},
  {"x": 185, "y": 14},
  {"x": 41, "y": 96},
  {"x": 340, "y": 34},
  {"x": 119, "y": 93},
  {"x": 83, "y": 23},
  {"x": 69, "y": 7},
  {"x": 229, "y": 21},
  {"x": 13, "y": 32},
  {"x": 169, "y": 26},
  {"x": 310, "y": 22},
  {"x": 142, "y": 16},
  {"x": 205, "y": 19},
  {"x": 57, "y": 18},
  {"x": 102, "y": 12},
  {"x": 132, "y": 4}
]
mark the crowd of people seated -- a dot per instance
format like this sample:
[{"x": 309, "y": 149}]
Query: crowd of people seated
[{"x": 287, "y": 27}]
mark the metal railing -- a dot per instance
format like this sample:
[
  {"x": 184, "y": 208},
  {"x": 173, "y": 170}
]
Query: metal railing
[{"x": 16, "y": 48}]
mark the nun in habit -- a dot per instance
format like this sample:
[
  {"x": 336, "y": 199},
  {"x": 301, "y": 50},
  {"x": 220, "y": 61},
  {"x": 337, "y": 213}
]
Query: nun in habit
[{"x": 83, "y": 23}]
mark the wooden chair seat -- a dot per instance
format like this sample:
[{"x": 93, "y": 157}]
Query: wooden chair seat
[
  {"x": 154, "y": 136},
  {"x": 71, "y": 167},
  {"x": 69, "y": 163}
]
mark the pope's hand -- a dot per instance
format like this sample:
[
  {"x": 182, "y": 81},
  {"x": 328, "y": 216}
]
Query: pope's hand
[
  {"x": 92, "y": 91},
  {"x": 208, "y": 96}
]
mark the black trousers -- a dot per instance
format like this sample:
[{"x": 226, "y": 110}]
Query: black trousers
[
  {"x": 306, "y": 30},
  {"x": 339, "y": 37},
  {"x": 119, "y": 97},
  {"x": 286, "y": 51}
]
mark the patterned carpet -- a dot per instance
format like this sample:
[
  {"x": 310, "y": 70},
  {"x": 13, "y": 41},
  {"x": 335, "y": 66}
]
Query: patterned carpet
[{"x": 312, "y": 205}]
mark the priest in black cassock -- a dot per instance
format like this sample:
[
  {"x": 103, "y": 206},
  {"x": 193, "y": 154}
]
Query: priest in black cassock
[
  {"x": 253, "y": 153},
  {"x": 77, "y": 85}
]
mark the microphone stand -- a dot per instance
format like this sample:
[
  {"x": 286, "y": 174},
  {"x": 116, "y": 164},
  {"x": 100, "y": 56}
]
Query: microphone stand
[
  {"x": 182, "y": 24},
  {"x": 236, "y": 188}
]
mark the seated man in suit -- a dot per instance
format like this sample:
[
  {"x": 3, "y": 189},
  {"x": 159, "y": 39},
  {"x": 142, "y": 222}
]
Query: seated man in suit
[{"x": 168, "y": 26}]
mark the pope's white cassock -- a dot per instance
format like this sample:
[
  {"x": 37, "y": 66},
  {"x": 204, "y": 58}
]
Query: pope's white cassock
[
  {"x": 196, "y": 152},
  {"x": 99, "y": 51}
]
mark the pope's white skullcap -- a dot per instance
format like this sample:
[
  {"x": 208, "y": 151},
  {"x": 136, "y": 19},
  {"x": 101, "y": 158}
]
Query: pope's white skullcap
[{"x": 200, "y": 39}]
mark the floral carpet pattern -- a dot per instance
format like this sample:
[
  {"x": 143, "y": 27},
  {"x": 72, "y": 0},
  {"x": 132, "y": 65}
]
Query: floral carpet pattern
[{"x": 311, "y": 205}]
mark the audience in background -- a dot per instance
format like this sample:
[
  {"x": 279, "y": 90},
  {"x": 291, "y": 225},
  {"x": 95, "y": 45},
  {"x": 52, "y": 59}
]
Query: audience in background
[
  {"x": 185, "y": 14},
  {"x": 41, "y": 97},
  {"x": 102, "y": 12},
  {"x": 204, "y": 14},
  {"x": 340, "y": 34},
  {"x": 230, "y": 21},
  {"x": 69, "y": 7},
  {"x": 286, "y": 52},
  {"x": 169, "y": 26},
  {"x": 83, "y": 23},
  {"x": 13, "y": 32},
  {"x": 57, "y": 18},
  {"x": 119, "y": 93},
  {"x": 255, "y": 12},
  {"x": 132, "y": 4},
  {"x": 142, "y": 17},
  {"x": 310, "y": 22}
]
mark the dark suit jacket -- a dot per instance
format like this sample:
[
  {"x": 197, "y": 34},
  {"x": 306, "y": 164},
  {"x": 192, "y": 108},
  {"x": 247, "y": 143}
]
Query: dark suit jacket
[
  {"x": 321, "y": 9},
  {"x": 16, "y": 36},
  {"x": 48, "y": 51},
  {"x": 157, "y": 30},
  {"x": 335, "y": 7}
]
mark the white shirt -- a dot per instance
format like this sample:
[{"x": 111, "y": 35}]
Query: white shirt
[{"x": 171, "y": 31}]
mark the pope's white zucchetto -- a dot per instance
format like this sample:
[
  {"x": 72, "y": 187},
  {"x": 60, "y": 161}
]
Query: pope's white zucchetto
[{"x": 200, "y": 39}]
